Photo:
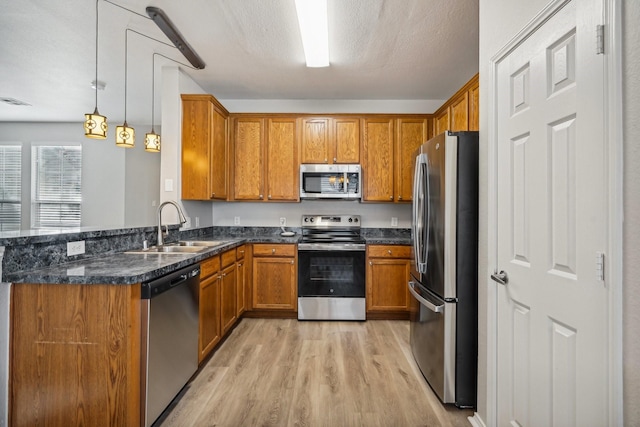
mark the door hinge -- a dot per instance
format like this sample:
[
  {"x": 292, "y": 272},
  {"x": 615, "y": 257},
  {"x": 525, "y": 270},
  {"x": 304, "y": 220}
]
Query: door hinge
[
  {"x": 600, "y": 266},
  {"x": 600, "y": 39}
]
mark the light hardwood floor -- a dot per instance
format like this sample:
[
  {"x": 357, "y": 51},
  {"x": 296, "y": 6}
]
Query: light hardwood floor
[{"x": 282, "y": 372}]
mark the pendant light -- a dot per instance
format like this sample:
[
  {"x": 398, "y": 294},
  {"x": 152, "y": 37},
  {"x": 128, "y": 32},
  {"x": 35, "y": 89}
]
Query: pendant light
[
  {"x": 152, "y": 139},
  {"x": 95, "y": 125},
  {"x": 125, "y": 135}
]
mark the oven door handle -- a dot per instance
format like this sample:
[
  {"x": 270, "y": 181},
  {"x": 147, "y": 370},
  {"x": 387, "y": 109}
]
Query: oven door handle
[{"x": 430, "y": 305}]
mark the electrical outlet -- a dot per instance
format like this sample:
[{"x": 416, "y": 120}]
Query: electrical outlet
[
  {"x": 197, "y": 221},
  {"x": 236, "y": 220},
  {"x": 283, "y": 221},
  {"x": 75, "y": 248},
  {"x": 394, "y": 221}
]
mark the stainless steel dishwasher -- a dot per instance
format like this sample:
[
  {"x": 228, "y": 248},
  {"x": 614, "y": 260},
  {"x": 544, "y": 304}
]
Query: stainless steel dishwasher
[{"x": 170, "y": 311}]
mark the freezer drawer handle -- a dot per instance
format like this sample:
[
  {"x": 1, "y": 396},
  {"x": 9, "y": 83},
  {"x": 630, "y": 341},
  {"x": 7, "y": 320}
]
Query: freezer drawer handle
[
  {"x": 501, "y": 277},
  {"x": 431, "y": 306}
]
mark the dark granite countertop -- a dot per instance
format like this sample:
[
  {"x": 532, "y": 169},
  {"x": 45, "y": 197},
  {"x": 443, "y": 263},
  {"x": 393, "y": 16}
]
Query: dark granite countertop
[{"x": 129, "y": 268}]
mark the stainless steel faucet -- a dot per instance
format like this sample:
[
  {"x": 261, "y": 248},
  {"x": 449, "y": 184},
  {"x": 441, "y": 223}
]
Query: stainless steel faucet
[{"x": 180, "y": 214}]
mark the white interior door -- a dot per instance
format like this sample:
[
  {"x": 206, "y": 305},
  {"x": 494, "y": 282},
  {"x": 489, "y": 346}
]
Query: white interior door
[{"x": 552, "y": 314}]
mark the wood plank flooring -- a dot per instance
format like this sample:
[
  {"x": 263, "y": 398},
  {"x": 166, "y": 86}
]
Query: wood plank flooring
[{"x": 282, "y": 372}]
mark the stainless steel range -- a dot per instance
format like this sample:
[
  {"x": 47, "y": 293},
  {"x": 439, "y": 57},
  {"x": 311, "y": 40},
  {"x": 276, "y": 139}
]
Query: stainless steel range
[{"x": 331, "y": 266}]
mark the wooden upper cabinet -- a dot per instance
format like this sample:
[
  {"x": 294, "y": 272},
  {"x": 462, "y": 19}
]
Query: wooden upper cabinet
[
  {"x": 410, "y": 134},
  {"x": 315, "y": 140},
  {"x": 249, "y": 166},
  {"x": 282, "y": 160},
  {"x": 474, "y": 105},
  {"x": 377, "y": 160},
  {"x": 205, "y": 148},
  {"x": 441, "y": 122},
  {"x": 330, "y": 140},
  {"x": 459, "y": 113}
]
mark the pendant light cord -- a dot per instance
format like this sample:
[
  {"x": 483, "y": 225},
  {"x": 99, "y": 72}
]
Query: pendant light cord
[{"x": 97, "y": 55}]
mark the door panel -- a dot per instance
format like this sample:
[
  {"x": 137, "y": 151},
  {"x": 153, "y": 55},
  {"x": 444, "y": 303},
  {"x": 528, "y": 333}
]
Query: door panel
[{"x": 551, "y": 215}]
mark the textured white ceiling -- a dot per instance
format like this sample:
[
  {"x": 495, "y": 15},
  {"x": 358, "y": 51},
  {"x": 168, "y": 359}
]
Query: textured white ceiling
[{"x": 379, "y": 50}]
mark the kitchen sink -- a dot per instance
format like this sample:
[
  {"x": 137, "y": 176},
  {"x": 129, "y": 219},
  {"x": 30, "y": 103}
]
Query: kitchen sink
[
  {"x": 207, "y": 243},
  {"x": 173, "y": 249}
]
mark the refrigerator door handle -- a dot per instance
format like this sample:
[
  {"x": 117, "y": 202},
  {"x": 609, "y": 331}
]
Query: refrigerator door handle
[
  {"x": 436, "y": 308},
  {"x": 419, "y": 196}
]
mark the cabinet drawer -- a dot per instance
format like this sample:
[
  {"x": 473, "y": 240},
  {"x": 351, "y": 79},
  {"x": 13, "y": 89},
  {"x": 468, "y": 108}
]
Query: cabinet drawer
[
  {"x": 240, "y": 252},
  {"x": 228, "y": 258},
  {"x": 209, "y": 266},
  {"x": 389, "y": 251},
  {"x": 265, "y": 249}
]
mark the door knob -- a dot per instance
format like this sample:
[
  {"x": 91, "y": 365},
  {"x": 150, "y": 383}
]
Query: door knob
[{"x": 501, "y": 277}]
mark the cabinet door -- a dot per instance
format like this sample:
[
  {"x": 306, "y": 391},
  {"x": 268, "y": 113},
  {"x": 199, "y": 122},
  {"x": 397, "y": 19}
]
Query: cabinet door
[
  {"x": 241, "y": 284},
  {"x": 441, "y": 122},
  {"x": 411, "y": 133},
  {"x": 209, "y": 302},
  {"x": 459, "y": 111},
  {"x": 282, "y": 160},
  {"x": 196, "y": 148},
  {"x": 377, "y": 162},
  {"x": 274, "y": 283},
  {"x": 228, "y": 298},
  {"x": 387, "y": 288},
  {"x": 346, "y": 134},
  {"x": 219, "y": 157},
  {"x": 474, "y": 106},
  {"x": 248, "y": 159},
  {"x": 315, "y": 141}
]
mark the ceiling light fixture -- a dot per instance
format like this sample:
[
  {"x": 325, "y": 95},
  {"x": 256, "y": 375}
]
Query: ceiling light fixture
[
  {"x": 164, "y": 23},
  {"x": 125, "y": 135},
  {"x": 312, "y": 19},
  {"x": 95, "y": 125},
  {"x": 152, "y": 139}
]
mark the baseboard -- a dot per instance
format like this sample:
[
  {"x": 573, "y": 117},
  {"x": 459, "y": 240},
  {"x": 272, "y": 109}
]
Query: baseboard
[{"x": 476, "y": 421}]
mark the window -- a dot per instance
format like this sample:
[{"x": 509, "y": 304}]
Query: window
[
  {"x": 56, "y": 186},
  {"x": 10, "y": 187}
]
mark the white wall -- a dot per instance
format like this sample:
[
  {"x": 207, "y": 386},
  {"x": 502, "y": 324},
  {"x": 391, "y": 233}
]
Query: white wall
[
  {"x": 500, "y": 20},
  {"x": 104, "y": 169},
  {"x": 631, "y": 248}
]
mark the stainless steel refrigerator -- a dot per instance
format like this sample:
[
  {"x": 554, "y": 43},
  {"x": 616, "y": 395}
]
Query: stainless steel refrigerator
[{"x": 444, "y": 309}]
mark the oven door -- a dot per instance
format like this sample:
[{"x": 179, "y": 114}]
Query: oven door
[{"x": 331, "y": 285}]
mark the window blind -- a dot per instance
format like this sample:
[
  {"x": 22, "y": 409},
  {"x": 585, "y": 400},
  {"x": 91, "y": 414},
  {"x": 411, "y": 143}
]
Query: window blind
[
  {"x": 10, "y": 187},
  {"x": 57, "y": 186}
]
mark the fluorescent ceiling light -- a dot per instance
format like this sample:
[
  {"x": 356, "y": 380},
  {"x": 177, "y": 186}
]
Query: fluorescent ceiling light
[{"x": 312, "y": 19}]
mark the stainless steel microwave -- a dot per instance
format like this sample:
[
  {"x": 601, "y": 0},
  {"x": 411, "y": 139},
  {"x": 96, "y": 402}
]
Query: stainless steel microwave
[{"x": 331, "y": 181}]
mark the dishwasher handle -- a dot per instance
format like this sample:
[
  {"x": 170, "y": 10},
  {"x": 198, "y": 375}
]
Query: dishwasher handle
[{"x": 163, "y": 284}]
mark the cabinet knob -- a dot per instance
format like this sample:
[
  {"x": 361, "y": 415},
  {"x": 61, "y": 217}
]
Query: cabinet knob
[
  {"x": 390, "y": 197},
  {"x": 213, "y": 195},
  {"x": 370, "y": 263},
  {"x": 261, "y": 197},
  {"x": 325, "y": 160},
  {"x": 273, "y": 251},
  {"x": 291, "y": 262},
  {"x": 399, "y": 197},
  {"x": 269, "y": 196},
  {"x": 335, "y": 160},
  {"x": 239, "y": 264},
  {"x": 389, "y": 251}
]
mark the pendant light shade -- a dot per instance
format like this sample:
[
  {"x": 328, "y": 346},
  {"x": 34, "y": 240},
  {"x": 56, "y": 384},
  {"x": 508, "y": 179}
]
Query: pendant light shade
[
  {"x": 152, "y": 142},
  {"x": 95, "y": 125},
  {"x": 125, "y": 136}
]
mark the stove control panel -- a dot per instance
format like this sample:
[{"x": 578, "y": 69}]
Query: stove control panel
[{"x": 331, "y": 220}]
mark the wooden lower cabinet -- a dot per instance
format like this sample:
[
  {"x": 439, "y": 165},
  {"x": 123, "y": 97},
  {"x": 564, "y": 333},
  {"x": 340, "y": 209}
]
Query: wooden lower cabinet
[
  {"x": 275, "y": 277},
  {"x": 388, "y": 270},
  {"x": 241, "y": 281},
  {"x": 228, "y": 297},
  {"x": 209, "y": 304},
  {"x": 75, "y": 355}
]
